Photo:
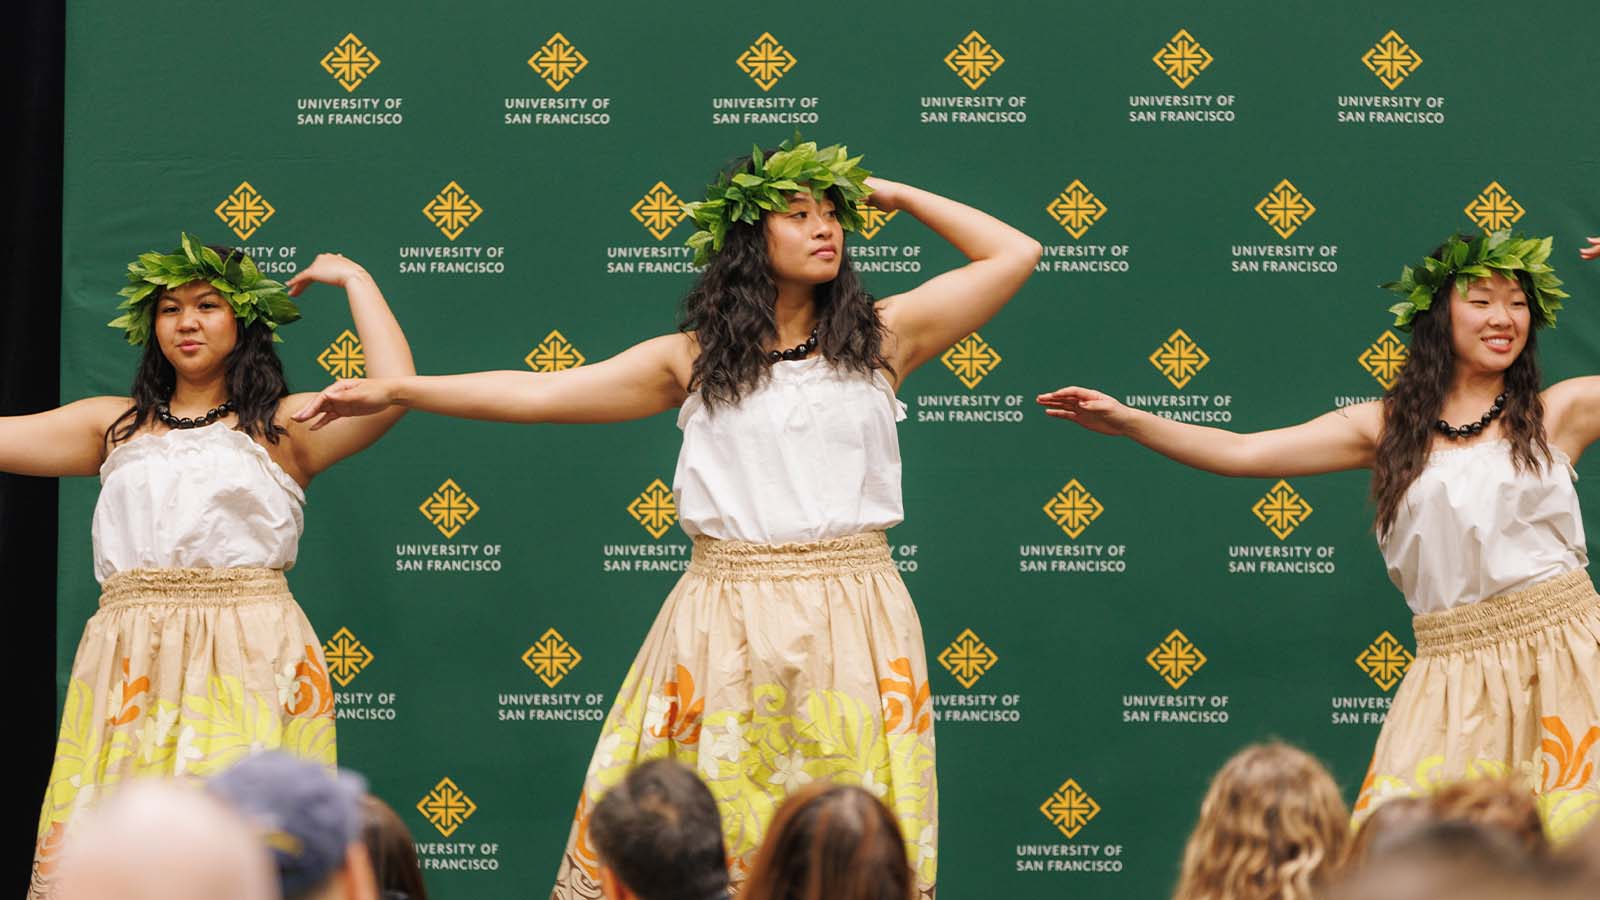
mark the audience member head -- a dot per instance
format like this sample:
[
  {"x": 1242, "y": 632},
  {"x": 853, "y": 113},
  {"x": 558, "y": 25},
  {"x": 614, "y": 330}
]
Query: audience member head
[
  {"x": 1505, "y": 803},
  {"x": 392, "y": 850},
  {"x": 1580, "y": 856},
  {"x": 659, "y": 837},
  {"x": 1448, "y": 860},
  {"x": 310, "y": 818},
  {"x": 1396, "y": 814},
  {"x": 1272, "y": 825},
  {"x": 832, "y": 842},
  {"x": 163, "y": 841}
]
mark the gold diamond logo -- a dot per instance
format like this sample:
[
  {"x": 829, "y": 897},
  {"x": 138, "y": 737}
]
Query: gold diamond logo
[
  {"x": 346, "y": 656},
  {"x": 1494, "y": 209},
  {"x": 1385, "y": 661},
  {"x": 1392, "y": 60},
  {"x": 967, "y": 658},
  {"x": 766, "y": 61},
  {"x": 1179, "y": 358},
  {"x": 1070, "y": 808},
  {"x": 1282, "y": 509},
  {"x": 446, "y": 807},
  {"x": 244, "y": 211},
  {"x": 449, "y": 508},
  {"x": 873, "y": 219},
  {"x": 557, "y": 62},
  {"x": 1182, "y": 58},
  {"x": 1076, "y": 209},
  {"x": 1285, "y": 209},
  {"x": 1073, "y": 508},
  {"x": 452, "y": 210},
  {"x": 1384, "y": 359},
  {"x": 971, "y": 359},
  {"x": 974, "y": 59},
  {"x": 553, "y": 354},
  {"x": 552, "y": 658},
  {"x": 1176, "y": 659},
  {"x": 659, "y": 210},
  {"x": 655, "y": 509},
  {"x": 344, "y": 357},
  {"x": 350, "y": 62}
]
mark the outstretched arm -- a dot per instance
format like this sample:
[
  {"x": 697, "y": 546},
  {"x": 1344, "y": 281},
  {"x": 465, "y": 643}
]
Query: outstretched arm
[
  {"x": 1343, "y": 439},
  {"x": 384, "y": 347},
  {"x": 942, "y": 310},
  {"x": 641, "y": 381},
  {"x": 66, "y": 441}
]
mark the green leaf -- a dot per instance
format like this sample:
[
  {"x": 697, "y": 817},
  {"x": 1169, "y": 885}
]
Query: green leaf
[{"x": 745, "y": 179}]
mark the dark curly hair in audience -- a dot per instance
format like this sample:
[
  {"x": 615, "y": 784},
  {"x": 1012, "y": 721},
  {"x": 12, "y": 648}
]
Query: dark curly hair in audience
[{"x": 659, "y": 832}]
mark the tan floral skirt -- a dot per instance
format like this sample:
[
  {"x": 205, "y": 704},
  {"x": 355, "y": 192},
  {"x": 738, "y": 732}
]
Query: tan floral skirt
[
  {"x": 183, "y": 672},
  {"x": 1506, "y": 686},
  {"x": 769, "y": 667}
]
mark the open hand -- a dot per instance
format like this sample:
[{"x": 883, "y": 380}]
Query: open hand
[
  {"x": 347, "y": 397},
  {"x": 1088, "y": 407},
  {"x": 1592, "y": 251},
  {"x": 328, "y": 268}
]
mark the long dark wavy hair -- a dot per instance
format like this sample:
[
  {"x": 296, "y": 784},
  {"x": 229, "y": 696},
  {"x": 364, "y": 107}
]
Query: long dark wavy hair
[
  {"x": 1412, "y": 406},
  {"x": 732, "y": 310},
  {"x": 254, "y": 376}
]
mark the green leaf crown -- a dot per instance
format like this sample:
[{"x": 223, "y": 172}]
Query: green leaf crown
[
  {"x": 253, "y": 296},
  {"x": 1464, "y": 261},
  {"x": 765, "y": 185}
]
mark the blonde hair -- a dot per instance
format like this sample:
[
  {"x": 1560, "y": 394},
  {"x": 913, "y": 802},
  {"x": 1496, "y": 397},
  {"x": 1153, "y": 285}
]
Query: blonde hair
[{"x": 1272, "y": 827}]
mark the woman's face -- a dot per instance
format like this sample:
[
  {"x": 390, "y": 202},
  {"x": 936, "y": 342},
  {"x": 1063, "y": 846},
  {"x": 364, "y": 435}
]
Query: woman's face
[
  {"x": 194, "y": 325},
  {"x": 804, "y": 244},
  {"x": 1489, "y": 323}
]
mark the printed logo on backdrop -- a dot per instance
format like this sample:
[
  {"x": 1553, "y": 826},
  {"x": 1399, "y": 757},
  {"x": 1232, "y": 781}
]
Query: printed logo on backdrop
[
  {"x": 244, "y": 211},
  {"x": 551, "y": 658},
  {"x": 1181, "y": 59},
  {"x": 1285, "y": 210},
  {"x": 1070, "y": 809},
  {"x": 554, "y": 354},
  {"x": 1494, "y": 209},
  {"x": 973, "y": 61},
  {"x": 1076, "y": 209},
  {"x": 448, "y": 509},
  {"x": 1282, "y": 511},
  {"x": 344, "y": 358},
  {"x": 1391, "y": 61},
  {"x": 447, "y": 808},
  {"x": 556, "y": 63},
  {"x": 1383, "y": 359},
  {"x": 1073, "y": 509},
  {"x": 347, "y": 657},
  {"x": 349, "y": 63},
  {"x": 452, "y": 210},
  {"x": 658, "y": 212},
  {"x": 1179, "y": 359},
  {"x": 655, "y": 512},
  {"x": 766, "y": 61},
  {"x": 866, "y": 256},
  {"x": 968, "y": 659},
  {"x": 1175, "y": 660},
  {"x": 970, "y": 360},
  {"x": 1385, "y": 660}
]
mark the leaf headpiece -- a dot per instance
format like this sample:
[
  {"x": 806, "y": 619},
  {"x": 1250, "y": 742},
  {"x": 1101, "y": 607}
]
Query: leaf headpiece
[
  {"x": 253, "y": 296},
  {"x": 765, "y": 185},
  {"x": 1464, "y": 261}
]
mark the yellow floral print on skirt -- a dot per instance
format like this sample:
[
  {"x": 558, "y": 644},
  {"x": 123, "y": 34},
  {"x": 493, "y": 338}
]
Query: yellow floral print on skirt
[
  {"x": 183, "y": 672},
  {"x": 769, "y": 667}
]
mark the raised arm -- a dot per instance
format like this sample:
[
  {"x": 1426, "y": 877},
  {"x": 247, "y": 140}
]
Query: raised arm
[
  {"x": 946, "y": 308},
  {"x": 65, "y": 441},
  {"x": 384, "y": 347},
  {"x": 1343, "y": 439},
  {"x": 1572, "y": 407},
  {"x": 641, "y": 381}
]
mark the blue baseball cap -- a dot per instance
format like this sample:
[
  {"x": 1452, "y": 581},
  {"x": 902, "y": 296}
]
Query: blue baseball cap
[{"x": 307, "y": 815}]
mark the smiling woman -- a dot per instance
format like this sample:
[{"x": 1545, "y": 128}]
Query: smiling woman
[{"x": 198, "y": 653}]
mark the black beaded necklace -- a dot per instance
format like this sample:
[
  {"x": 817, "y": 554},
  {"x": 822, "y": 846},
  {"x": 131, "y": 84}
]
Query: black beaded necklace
[
  {"x": 799, "y": 352},
  {"x": 1452, "y": 432},
  {"x": 164, "y": 413}
]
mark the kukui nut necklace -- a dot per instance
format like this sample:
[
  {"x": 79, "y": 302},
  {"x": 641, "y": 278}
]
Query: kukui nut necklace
[
  {"x": 799, "y": 352},
  {"x": 1452, "y": 432},
  {"x": 164, "y": 413}
]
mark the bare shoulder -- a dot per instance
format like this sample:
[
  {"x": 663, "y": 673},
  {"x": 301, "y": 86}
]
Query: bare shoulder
[
  {"x": 1562, "y": 395},
  {"x": 1366, "y": 418},
  {"x": 678, "y": 351}
]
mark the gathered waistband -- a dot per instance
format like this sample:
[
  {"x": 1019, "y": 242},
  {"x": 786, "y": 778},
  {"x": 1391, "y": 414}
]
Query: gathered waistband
[
  {"x": 855, "y": 554},
  {"x": 194, "y": 587},
  {"x": 1506, "y": 617}
]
